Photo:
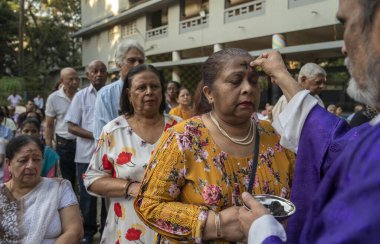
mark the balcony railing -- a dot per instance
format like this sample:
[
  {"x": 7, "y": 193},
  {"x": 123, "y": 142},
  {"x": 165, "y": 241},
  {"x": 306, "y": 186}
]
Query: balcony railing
[
  {"x": 193, "y": 24},
  {"x": 156, "y": 33},
  {"x": 244, "y": 11}
]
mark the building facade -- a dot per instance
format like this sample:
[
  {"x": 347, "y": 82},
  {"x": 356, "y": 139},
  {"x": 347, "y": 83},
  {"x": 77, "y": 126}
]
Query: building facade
[{"x": 178, "y": 35}]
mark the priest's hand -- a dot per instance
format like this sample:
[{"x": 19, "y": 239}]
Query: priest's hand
[
  {"x": 249, "y": 213},
  {"x": 273, "y": 65}
]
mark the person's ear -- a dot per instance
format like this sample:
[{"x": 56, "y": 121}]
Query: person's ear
[
  {"x": 303, "y": 81},
  {"x": 7, "y": 162},
  {"x": 208, "y": 93}
]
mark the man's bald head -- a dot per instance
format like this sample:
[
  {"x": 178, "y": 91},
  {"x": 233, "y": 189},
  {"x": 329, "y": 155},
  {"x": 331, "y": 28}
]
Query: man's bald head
[
  {"x": 66, "y": 71},
  {"x": 69, "y": 79},
  {"x": 97, "y": 73}
]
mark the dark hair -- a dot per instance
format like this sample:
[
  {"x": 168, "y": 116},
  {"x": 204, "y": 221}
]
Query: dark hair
[
  {"x": 211, "y": 70},
  {"x": 125, "y": 105},
  {"x": 30, "y": 115},
  {"x": 182, "y": 88},
  {"x": 369, "y": 10},
  {"x": 30, "y": 100},
  {"x": 200, "y": 103},
  {"x": 177, "y": 85},
  {"x": 18, "y": 142},
  {"x": 33, "y": 121},
  {"x": 42, "y": 116},
  {"x": 5, "y": 109}
]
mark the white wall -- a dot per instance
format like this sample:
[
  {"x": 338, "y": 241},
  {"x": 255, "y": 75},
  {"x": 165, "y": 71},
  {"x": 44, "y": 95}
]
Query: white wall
[{"x": 277, "y": 19}]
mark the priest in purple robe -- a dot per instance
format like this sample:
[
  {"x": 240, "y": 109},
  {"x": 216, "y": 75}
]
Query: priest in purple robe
[{"x": 336, "y": 186}]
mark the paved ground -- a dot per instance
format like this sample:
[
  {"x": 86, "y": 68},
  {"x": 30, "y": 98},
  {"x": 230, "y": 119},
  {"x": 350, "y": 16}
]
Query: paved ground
[{"x": 96, "y": 239}]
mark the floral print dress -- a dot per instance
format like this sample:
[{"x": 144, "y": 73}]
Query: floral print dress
[
  {"x": 121, "y": 153},
  {"x": 189, "y": 174}
]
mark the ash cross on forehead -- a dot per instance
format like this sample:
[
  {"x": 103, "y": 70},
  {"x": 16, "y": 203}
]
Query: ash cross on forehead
[
  {"x": 31, "y": 150},
  {"x": 246, "y": 65}
]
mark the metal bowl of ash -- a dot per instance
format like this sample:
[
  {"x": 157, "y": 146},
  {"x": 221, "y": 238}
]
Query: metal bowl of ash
[{"x": 279, "y": 207}]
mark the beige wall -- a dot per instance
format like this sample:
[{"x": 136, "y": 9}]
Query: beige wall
[
  {"x": 277, "y": 19},
  {"x": 95, "y": 10}
]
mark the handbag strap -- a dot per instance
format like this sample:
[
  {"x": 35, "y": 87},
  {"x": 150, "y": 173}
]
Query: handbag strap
[{"x": 255, "y": 162}]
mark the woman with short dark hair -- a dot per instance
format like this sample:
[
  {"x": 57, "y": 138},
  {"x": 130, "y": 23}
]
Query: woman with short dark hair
[
  {"x": 193, "y": 184},
  {"x": 34, "y": 209}
]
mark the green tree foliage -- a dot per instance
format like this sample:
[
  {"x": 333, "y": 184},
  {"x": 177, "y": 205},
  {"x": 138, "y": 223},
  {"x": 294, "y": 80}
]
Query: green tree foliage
[
  {"x": 48, "y": 33},
  {"x": 47, "y": 38},
  {"x": 9, "y": 85},
  {"x": 8, "y": 38}
]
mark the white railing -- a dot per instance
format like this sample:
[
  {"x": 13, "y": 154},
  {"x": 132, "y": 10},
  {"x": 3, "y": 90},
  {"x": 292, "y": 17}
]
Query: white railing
[
  {"x": 245, "y": 10},
  {"x": 155, "y": 33},
  {"x": 193, "y": 24}
]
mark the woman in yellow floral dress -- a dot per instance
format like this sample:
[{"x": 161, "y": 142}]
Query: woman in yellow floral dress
[
  {"x": 183, "y": 109},
  {"x": 191, "y": 191},
  {"x": 123, "y": 151}
]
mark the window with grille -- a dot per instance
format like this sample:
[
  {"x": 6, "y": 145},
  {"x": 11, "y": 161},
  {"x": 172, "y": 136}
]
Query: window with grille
[{"x": 128, "y": 29}]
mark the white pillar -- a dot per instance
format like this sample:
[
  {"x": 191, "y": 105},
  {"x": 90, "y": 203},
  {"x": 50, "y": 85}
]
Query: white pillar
[
  {"x": 176, "y": 56},
  {"x": 175, "y": 75},
  {"x": 217, "y": 47}
]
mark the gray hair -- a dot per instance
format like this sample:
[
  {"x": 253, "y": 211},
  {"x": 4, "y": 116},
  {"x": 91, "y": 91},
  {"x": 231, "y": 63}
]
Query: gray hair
[
  {"x": 310, "y": 70},
  {"x": 124, "y": 47}
]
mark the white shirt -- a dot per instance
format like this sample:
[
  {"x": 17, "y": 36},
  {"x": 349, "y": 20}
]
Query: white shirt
[
  {"x": 282, "y": 103},
  {"x": 57, "y": 105},
  {"x": 81, "y": 113},
  {"x": 14, "y": 99}
]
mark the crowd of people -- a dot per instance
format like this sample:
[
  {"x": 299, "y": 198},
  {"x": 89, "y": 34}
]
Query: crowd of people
[{"x": 169, "y": 167}]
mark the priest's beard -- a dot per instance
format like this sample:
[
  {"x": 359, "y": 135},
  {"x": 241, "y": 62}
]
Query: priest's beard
[{"x": 370, "y": 94}]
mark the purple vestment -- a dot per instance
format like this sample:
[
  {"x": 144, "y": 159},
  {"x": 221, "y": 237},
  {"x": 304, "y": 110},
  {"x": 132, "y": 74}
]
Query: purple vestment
[
  {"x": 337, "y": 182},
  {"x": 322, "y": 140}
]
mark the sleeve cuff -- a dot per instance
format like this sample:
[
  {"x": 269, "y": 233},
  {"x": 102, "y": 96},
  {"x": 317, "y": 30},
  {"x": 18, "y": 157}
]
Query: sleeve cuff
[
  {"x": 290, "y": 121},
  {"x": 264, "y": 227}
]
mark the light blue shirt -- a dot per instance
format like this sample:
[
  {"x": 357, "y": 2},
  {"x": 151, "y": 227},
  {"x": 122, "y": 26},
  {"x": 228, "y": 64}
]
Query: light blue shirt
[
  {"x": 81, "y": 113},
  {"x": 5, "y": 132},
  {"x": 107, "y": 106},
  {"x": 39, "y": 102}
]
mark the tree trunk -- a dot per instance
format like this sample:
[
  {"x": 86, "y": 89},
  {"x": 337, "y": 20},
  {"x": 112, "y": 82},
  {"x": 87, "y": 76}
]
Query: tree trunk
[{"x": 21, "y": 38}]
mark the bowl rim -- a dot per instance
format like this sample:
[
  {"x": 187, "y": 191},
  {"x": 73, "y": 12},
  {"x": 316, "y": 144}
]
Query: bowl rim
[{"x": 281, "y": 199}]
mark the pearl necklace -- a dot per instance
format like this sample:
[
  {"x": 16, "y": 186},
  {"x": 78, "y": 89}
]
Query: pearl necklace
[{"x": 243, "y": 141}]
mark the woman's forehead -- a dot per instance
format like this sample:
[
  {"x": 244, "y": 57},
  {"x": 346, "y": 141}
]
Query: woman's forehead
[
  {"x": 237, "y": 64},
  {"x": 145, "y": 75},
  {"x": 29, "y": 148},
  {"x": 238, "y": 61}
]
